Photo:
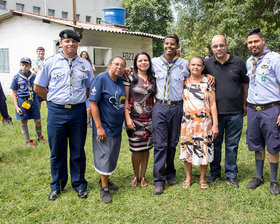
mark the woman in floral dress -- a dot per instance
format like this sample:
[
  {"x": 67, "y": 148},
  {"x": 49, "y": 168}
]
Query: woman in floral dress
[
  {"x": 199, "y": 123},
  {"x": 140, "y": 90}
]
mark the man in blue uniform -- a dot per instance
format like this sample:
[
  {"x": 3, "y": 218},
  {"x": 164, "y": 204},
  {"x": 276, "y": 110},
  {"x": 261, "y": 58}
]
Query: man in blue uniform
[
  {"x": 68, "y": 78},
  {"x": 263, "y": 123},
  {"x": 170, "y": 72}
]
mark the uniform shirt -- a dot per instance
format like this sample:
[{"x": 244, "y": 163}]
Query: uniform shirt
[
  {"x": 229, "y": 77},
  {"x": 178, "y": 73},
  {"x": 110, "y": 96},
  {"x": 55, "y": 75},
  {"x": 37, "y": 63},
  {"x": 265, "y": 89},
  {"x": 21, "y": 85}
]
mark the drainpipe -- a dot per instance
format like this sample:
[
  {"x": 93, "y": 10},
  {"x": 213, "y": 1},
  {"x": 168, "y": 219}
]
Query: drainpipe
[{"x": 74, "y": 12}]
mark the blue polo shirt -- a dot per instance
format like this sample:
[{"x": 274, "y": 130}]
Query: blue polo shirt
[{"x": 110, "y": 96}]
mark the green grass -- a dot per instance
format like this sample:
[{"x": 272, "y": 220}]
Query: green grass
[{"x": 25, "y": 178}]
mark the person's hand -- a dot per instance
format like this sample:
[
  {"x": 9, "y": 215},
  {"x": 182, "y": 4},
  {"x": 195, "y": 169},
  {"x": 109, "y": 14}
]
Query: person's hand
[
  {"x": 128, "y": 70},
  {"x": 101, "y": 134},
  {"x": 211, "y": 80},
  {"x": 278, "y": 120},
  {"x": 130, "y": 124},
  {"x": 214, "y": 131},
  {"x": 19, "y": 111}
]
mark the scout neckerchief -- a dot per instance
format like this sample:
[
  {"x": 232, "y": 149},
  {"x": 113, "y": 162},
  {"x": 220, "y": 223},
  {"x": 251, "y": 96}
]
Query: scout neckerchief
[
  {"x": 30, "y": 75},
  {"x": 167, "y": 79},
  {"x": 70, "y": 62},
  {"x": 256, "y": 62}
]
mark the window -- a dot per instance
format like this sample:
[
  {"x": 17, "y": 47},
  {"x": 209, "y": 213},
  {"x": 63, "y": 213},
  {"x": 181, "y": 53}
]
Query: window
[
  {"x": 88, "y": 18},
  {"x": 77, "y": 17},
  {"x": 64, "y": 15},
  {"x": 98, "y": 20},
  {"x": 36, "y": 9},
  {"x": 50, "y": 12},
  {"x": 4, "y": 60},
  {"x": 2, "y": 4},
  {"x": 19, "y": 6}
]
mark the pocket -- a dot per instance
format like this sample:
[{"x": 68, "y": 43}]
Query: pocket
[
  {"x": 56, "y": 78},
  {"x": 79, "y": 79}
]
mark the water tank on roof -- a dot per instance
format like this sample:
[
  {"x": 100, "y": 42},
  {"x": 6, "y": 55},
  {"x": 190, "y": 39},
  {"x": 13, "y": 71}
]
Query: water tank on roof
[{"x": 114, "y": 16}]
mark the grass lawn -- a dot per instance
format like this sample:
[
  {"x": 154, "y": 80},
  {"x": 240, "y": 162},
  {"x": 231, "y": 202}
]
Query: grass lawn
[{"x": 25, "y": 178}]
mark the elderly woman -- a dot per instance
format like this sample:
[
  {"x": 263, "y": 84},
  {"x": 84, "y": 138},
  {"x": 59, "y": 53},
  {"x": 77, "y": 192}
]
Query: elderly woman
[
  {"x": 107, "y": 98},
  {"x": 199, "y": 123},
  {"x": 140, "y": 89}
]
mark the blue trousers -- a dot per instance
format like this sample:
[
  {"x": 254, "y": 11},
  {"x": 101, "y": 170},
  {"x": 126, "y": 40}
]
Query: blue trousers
[
  {"x": 166, "y": 131},
  {"x": 231, "y": 126},
  {"x": 67, "y": 126}
]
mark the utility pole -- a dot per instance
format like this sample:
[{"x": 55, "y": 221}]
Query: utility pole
[{"x": 74, "y": 12}]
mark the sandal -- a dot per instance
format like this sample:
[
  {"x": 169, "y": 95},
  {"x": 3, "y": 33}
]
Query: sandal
[
  {"x": 203, "y": 184},
  {"x": 143, "y": 182},
  {"x": 134, "y": 182},
  {"x": 187, "y": 184}
]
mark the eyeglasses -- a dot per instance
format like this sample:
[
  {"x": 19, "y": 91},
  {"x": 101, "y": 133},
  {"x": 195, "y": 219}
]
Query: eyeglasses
[
  {"x": 219, "y": 45},
  {"x": 119, "y": 65}
]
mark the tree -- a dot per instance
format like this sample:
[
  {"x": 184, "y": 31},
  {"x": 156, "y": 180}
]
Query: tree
[
  {"x": 199, "y": 20},
  {"x": 149, "y": 16}
]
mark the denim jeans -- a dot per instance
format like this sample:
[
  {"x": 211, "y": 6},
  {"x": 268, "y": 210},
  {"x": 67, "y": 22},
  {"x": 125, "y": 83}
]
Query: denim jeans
[{"x": 231, "y": 125}]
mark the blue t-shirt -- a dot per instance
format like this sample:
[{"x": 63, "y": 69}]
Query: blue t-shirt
[
  {"x": 20, "y": 84},
  {"x": 110, "y": 96}
]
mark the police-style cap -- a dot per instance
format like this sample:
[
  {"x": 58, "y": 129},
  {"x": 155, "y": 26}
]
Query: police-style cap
[
  {"x": 64, "y": 34},
  {"x": 25, "y": 59}
]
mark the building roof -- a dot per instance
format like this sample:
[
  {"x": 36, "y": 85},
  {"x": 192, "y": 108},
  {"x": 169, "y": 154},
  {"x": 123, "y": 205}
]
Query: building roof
[{"x": 79, "y": 24}]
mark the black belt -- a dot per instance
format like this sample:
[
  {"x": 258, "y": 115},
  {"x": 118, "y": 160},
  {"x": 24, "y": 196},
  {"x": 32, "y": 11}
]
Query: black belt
[
  {"x": 263, "y": 106},
  {"x": 168, "y": 102},
  {"x": 66, "y": 106}
]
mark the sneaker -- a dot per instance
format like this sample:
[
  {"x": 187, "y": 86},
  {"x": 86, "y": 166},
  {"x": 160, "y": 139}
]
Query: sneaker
[
  {"x": 111, "y": 186},
  {"x": 274, "y": 188},
  {"x": 30, "y": 143},
  {"x": 105, "y": 195},
  {"x": 232, "y": 182},
  {"x": 41, "y": 139},
  {"x": 254, "y": 183},
  {"x": 158, "y": 190},
  {"x": 212, "y": 179},
  {"x": 172, "y": 181}
]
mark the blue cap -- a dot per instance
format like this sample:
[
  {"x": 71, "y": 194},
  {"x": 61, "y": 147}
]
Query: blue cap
[
  {"x": 25, "y": 59},
  {"x": 64, "y": 34}
]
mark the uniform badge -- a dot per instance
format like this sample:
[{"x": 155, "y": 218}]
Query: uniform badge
[
  {"x": 264, "y": 66},
  {"x": 93, "y": 91},
  {"x": 21, "y": 86},
  {"x": 181, "y": 67},
  {"x": 65, "y": 35},
  {"x": 83, "y": 67}
]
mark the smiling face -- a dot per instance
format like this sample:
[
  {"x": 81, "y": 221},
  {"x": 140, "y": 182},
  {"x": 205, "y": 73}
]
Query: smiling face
[
  {"x": 116, "y": 68},
  {"x": 255, "y": 45},
  {"x": 219, "y": 47},
  {"x": 84, "y": 55},
  {"x": 41, "y": 54},
  {"x": 142, "y": 63},
  {"x": 69, "y": 47},
  {"x": 170, "y": 47},
  {"x": 196, "y": 66}
]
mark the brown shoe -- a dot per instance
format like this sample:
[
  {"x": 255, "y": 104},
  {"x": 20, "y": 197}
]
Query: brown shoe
[
  {"x": 158, "y": 190},
  {"x": 172, "y": 181}
]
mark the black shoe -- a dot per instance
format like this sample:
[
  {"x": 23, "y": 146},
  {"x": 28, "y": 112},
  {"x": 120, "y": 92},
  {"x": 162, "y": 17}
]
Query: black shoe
[
  {"x": 212, "y": 179},
  {"x": 232, "y": 182},
  {"x": 158, "y": 190},
  {"x": 254, "y": 183},
  {"x": 172, "y": 181},
  {"x": 111, "y": 186},
  {"x": 53, "y": 195},
  {"x": 82, "y": 194},
  {"x": 274, "y": 188},
  {"x": 105, "y": 195}
]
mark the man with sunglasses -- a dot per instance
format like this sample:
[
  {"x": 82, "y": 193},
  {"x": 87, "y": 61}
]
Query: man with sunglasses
[{"x": 231, "y": 93}]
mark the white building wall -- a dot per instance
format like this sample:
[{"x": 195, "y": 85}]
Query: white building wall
[{"x": 93, "y": 8}]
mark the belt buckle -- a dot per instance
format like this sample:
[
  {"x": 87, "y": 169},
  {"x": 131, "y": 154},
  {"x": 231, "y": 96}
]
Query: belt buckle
[
  {"x": 67, "y": 106},
  {"x": 168, "y": 102},
  {"x": 258, "y": 108}
]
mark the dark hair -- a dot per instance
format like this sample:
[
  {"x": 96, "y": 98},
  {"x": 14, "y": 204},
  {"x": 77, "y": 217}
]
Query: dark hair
[
  {"x": 113, "y": 58},
  {"x": 255, "y": 31},
  {"x": 135, "y": 68},
  {"x": 197, "y": 57},
  {"x": 40, "y": 49},
  {"x": 87, "y": 58},
  {"x": 174, "y": 36}
]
